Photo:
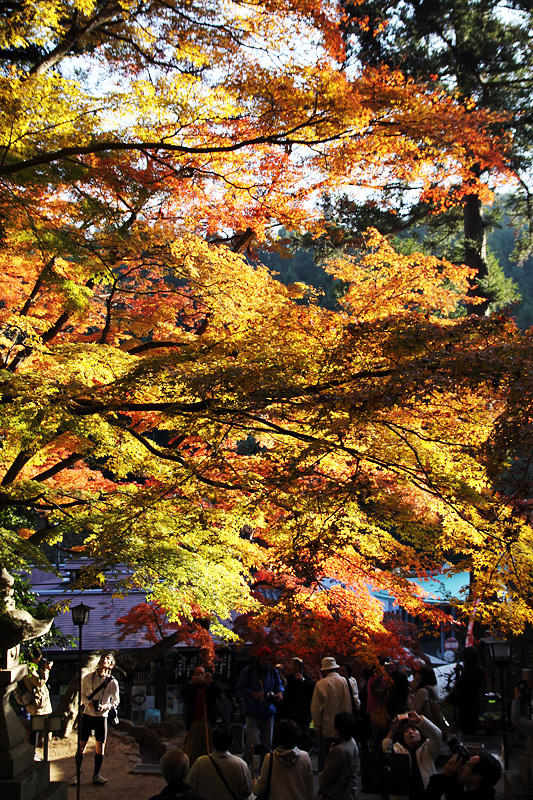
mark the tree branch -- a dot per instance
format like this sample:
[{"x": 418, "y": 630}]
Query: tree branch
[
  {"x": 178, "y": 460},
  {"x": 61, "y": 465},
  {"x": 282, "y": 139},
  {"x": 20, "y": 461},
  {"x": 37, "y": 286},
  {"x": 72, "y": 36},
  {"x": 141, "y": 348}
]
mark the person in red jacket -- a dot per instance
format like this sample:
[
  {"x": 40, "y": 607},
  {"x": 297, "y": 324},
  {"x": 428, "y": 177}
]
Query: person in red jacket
[{"x": 200, "y": 696}]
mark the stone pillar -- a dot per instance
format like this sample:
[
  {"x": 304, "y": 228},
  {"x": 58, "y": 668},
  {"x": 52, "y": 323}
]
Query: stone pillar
[
  {"x": 15, "y": 754},
  {"x": 21, "y": 778}
]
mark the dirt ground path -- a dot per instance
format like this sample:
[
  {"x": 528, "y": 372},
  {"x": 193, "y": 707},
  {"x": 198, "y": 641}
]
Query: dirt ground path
[{"x": 120, "y": 758}]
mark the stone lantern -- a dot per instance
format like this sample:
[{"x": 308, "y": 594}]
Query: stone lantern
[{"x": 20, "y": 775}]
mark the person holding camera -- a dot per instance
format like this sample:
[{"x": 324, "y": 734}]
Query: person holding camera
[
  {"x": 463, "y": 775},
  {"x": 200, "y": 696},
  {"x": 410, "y": 749},
  {"x": 99, "y": 694},
  {"x": 35, "y": 682},
  {"x": 260, "y": 689}
]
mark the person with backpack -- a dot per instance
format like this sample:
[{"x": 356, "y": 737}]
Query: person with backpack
[
  {"x": 260, "y": 689},
  {"x": 99, "y": 694},
  {"x": 36, "y": 693}
]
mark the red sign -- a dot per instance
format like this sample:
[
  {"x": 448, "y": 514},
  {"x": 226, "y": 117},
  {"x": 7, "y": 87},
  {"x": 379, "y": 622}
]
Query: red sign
[{"x": 451, "y": 644}]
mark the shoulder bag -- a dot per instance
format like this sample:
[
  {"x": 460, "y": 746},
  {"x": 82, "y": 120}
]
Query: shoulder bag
[
  {"x": 222, "y": 778},
  {"x": 266, "y": 793},
  {"x": 359, "y": 725},
  {"x": 433, "y": 712}
]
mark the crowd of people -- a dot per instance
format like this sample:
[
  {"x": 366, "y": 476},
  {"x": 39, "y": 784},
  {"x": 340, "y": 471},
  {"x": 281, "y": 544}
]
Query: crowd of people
[{"x": 390, "y": 725}]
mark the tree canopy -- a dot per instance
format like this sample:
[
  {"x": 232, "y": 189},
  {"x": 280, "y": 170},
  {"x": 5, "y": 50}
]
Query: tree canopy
[
  {"x": 164, "y": 402},
  {"x": 481, "y": 50}
]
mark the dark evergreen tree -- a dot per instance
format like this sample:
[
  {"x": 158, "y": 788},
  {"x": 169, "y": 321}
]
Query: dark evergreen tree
[{"x": 482, "y": 50}]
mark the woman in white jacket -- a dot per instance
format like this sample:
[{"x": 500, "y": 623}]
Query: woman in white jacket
[
  {"x": 419, "y": 739},
  {"x": 291, "y": 775}
]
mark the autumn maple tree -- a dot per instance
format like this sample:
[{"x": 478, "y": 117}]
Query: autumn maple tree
[{"x": 145, "y": 147}]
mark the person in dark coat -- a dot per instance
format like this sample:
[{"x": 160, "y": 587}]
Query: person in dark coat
[
  {"x": 200, "y": 696},
  {"x": 174, "y": 767},
  {"x": 474, "y": 779},
  {"x": 398, "y": 694},
  {"x": 297, "y": 700},
  {"x": 363, "y": 711},
  {"x": 467, "y": 691}
]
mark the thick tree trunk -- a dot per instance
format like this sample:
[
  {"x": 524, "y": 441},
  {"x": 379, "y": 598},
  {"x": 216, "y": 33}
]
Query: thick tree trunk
[
  {"x": 68, "y": 705},
  {"x": 475, "y": 246}
]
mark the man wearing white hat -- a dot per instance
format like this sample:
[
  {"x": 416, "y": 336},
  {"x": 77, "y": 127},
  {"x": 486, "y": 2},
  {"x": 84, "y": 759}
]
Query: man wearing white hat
[{"x": 332, "y": 695}]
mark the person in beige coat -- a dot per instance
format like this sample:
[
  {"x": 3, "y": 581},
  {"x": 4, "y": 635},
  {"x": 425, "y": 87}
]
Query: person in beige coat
[
  {"x": 332, "y": 695},
  {"x": 35, "y": 682},
  {"x": 339, "y": 778},
  {"x": 220, "y": 775}
]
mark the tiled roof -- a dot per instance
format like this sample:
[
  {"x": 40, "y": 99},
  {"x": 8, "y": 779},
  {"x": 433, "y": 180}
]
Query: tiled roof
[{"x": 100, "y": 632}]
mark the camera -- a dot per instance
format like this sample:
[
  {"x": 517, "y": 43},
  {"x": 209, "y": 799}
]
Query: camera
[
  {"x": 268, "y": 698},
  {"x": 402, "y": 717},
  {"x": 97, "y": 705},
  {"x": 458, "y": 749}
]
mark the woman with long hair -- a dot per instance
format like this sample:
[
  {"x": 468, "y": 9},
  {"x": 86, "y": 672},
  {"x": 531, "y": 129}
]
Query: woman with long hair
[
  {"x": 399, "y": 698},
  {"x": 426, "y": 700},
  {"x": 417, "y": 740}
]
